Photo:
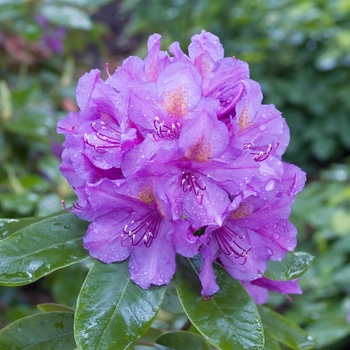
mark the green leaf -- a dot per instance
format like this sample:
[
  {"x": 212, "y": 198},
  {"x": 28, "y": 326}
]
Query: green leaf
[
  {"x": 10, "y": 226},
  {"x": 328, "y": 331},
  {"x": 183, "y": 340},
  {"x": 270, "y": 342},
  {"x": 66, "y": 16},
  {"x": 51, "y": 330},
  {"x": 171, "y": 301},
  {"x": 48, "y": 307},
  {"x": 33, "y": 249},
  {"x": 293, "y": 266},
  {"x": 230, "y": 319},
  {"x": 65, "y": 284},
  {"x": 285, "y": 331},
  {"x": 112, "y": 311}
]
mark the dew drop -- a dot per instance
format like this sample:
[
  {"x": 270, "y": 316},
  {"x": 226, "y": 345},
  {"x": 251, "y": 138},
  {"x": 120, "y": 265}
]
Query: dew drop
[
  {"x": 262, "y": 127},
  {"x": 270, "y": 185}
]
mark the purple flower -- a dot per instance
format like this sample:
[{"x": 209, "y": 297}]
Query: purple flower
[
  {"x": 169, "y": 145},
  {"x": 256, "y": 229},
  {"x": 53, "y": 37},
  {"x": 133, "y": 220}
]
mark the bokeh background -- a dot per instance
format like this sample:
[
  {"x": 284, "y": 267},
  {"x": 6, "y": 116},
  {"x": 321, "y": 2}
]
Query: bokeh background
[{"x": 298, "y": 50}]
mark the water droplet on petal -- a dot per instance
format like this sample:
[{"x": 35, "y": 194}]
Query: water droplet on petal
[{"x": 270, "y": 185}]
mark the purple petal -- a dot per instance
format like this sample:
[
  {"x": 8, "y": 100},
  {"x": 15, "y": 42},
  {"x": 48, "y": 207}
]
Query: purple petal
[
  {"x": 205, "y": 42},
  {"x": 151, "y": 61},
  {"x": 284, "y": 287},
  {"x": 86, "y": 86},
  {"x": 259, "y": 294},
  {"x": 154, "y": 264},
  {"x": 185, "y": 243},
  {"x": 103, "y": 240},
  {"x": 179, "y": 89},
  {"x": 226, "y": 72},
  {"x": 206, "y": 276},
  {"x": 203, "y": 138}
]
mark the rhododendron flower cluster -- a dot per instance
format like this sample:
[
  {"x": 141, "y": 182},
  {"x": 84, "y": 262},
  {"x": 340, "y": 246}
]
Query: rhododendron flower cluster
[{"x": 176, "y": 154}]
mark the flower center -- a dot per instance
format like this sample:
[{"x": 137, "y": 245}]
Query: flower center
[
  {"x": 145, "y": 229},
  {"x": 228, "y": 241},
  {"x": 104, "y": 136}
]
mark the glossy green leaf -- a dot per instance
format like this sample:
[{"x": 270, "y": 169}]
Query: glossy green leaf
[
  {"x": 171, "y": 301},
  {"x": 270, "y": 342},
  {"x": 10, "y": 226},
  {"x": 285, "y": 331},
  {"x": 48, "y": 307},
  {"x": 33, "y": 251},
  {"x": 52, "y": 330},
  {"x": 183, "y": 340},
  {"x": 112, "y": 311},
  {"x": 66, "y": 16},
  {"x": 293, "y": 266},
  {"x": 230, "y": 319}
]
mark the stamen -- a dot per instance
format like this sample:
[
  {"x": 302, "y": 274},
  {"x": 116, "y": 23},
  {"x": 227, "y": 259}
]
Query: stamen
[
  {"x": 64, "y": 206},
  {"x": 261, "y": 155},
  {"x": 192, "y": 183},
  {"x": 104, "y": 132},
  {"x": 227, "y": 240},
  {"x": 163, "y": 130},
  {"x": 107, "y": 71},
  {"x": 144, "y": 229},
  {"x": 75, "y": 206}
]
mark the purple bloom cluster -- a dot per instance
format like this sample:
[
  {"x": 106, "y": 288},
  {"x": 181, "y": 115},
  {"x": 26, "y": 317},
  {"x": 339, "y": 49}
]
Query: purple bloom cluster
[
  {"x": 177, "y": 154},
  {"x": 52, "y": 37}
]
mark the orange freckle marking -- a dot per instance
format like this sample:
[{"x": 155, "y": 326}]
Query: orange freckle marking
[
  {"x": 176, "y": 102},
  {"x": 200, "y": 151},
  {"x": 241, "y": 212},
  {"x": 243, "y": 120},
  {"x": 146, "y": 195}
]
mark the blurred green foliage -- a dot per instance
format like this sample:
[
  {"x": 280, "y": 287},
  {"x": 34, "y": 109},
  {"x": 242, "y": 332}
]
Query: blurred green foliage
[
  {"x": 39, "y": 43},
  {"x": 298, "y": 50},
  {"x": 321, "y": 214}
]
